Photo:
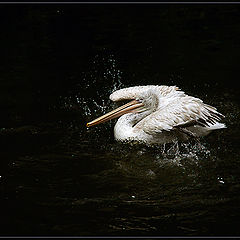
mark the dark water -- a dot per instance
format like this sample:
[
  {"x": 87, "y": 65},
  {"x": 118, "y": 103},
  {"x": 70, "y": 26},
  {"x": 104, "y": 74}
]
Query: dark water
[{"x": 59, "y": 63}]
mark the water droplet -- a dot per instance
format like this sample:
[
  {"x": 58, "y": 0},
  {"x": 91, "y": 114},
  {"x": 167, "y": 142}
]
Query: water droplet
[{"x": 220, "y": 180}]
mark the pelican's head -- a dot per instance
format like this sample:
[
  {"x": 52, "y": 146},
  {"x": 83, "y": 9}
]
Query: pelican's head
[{"x": 142, "y": 99}]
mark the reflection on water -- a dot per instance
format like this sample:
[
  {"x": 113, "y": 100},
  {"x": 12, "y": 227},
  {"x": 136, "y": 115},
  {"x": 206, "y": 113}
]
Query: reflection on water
[{"x": 59, "y": 178}]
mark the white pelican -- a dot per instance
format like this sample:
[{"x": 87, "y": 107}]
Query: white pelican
[{"x": 160, "y": 114}]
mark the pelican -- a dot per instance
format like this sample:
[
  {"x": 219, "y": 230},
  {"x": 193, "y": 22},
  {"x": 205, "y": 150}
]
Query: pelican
[{"x": 160, "y": 114}]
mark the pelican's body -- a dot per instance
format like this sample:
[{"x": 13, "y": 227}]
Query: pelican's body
[{"x": 160, "y": 114}]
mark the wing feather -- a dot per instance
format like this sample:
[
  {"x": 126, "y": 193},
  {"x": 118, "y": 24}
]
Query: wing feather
[{"x": 182, "y": 112}]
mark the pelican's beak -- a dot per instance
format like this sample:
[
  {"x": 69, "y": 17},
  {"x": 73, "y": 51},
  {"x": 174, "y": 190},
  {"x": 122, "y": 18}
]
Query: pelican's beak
[{"x": 127, "y": 108}]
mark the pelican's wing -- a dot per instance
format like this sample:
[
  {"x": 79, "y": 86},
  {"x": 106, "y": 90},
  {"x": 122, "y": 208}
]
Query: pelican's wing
[{"x": 183, "y": 112}]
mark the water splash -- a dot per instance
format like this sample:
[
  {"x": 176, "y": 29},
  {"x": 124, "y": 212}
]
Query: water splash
[
  {"x": 100, "y": 80},
  {"x": 176, "y": 152}
]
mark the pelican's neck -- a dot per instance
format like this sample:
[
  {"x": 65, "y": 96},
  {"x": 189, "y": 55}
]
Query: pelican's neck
[{"x": 124, "y": 128}]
